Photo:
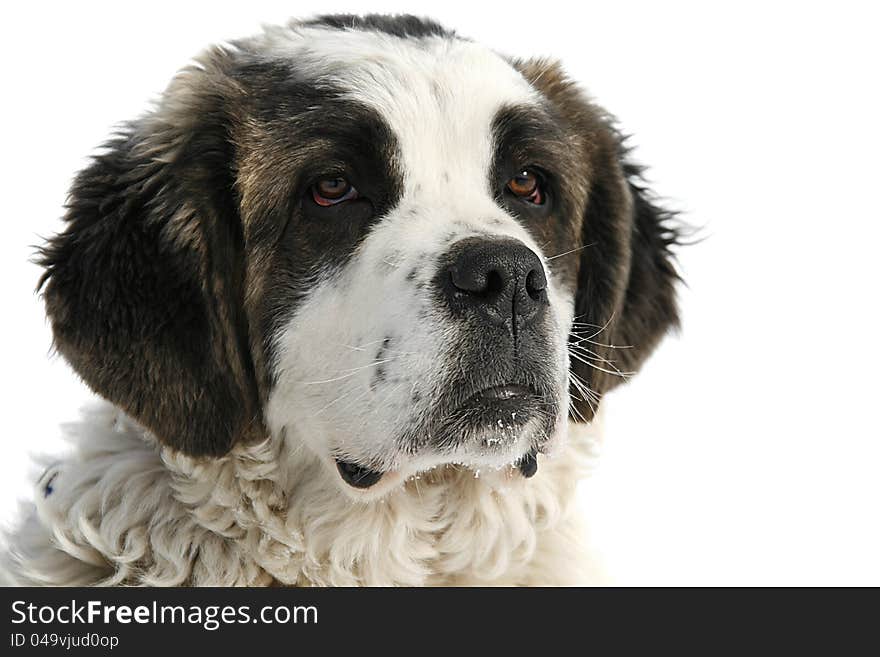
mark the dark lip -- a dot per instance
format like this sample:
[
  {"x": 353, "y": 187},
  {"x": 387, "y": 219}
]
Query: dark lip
[
  {"x": 357, "y": 476},
  {"x": 515, "y": 404},
  {"x": 528, "y": 464},
  {"x": 360, "y": 477},
  {"x": 506, "y": 394}
]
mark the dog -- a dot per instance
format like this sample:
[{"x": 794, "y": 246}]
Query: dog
[{"x": 352, "y": 292}]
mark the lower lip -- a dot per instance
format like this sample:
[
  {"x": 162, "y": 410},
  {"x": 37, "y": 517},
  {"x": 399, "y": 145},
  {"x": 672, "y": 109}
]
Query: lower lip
[
  {"x": 514, "y": 405},
  {"x": 502, "y": 393},
  {"x": 358, "y": 477}
]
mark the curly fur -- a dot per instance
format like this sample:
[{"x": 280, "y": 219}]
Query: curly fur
[
  {"x": 256, "y": 347},
  {"x": 125, "y": 511}
]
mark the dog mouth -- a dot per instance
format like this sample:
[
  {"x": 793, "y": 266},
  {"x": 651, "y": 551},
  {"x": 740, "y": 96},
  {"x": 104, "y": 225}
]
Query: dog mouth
[
  {"x": 499, "y": 413},
  {"x": 501, "y": 397},
  {"x": 509, "y": 406},
  {"x": 528, "y": 464},
  {"x": 358, "y": 476}
]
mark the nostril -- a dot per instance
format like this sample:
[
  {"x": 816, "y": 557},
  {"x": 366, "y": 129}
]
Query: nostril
[
  {"x": 494, "y": 283},
  {"x": 478, "y": 283},
  {"x": 536, "y": 283},
  {"x": 494, "y": 279}
]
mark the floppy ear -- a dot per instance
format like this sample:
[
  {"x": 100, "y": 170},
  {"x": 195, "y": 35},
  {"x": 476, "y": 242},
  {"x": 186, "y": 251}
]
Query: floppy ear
[
  {"x": 144, "y": 286},
  {"x": 625, "y": 300},
  {"x": 625, "y": 296}
]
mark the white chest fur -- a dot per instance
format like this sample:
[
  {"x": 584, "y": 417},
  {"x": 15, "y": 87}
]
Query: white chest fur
[{"x": 120, "y": 510}]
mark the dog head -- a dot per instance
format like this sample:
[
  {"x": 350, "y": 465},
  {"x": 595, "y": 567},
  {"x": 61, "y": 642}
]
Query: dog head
[{"x": 397, "y": 247}]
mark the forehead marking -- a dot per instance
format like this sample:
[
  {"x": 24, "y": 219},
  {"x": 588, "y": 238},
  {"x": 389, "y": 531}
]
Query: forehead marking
[{"x": 439, "y": 95}]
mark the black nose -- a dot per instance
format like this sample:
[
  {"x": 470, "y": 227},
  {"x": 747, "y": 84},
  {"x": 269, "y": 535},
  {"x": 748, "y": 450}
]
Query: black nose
[{"x": 501, "y": 280}]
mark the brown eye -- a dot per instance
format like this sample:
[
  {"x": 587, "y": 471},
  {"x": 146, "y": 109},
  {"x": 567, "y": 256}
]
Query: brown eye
[
  {"x": 330, "y": 191},
  {"x": 527, "y": 186}
]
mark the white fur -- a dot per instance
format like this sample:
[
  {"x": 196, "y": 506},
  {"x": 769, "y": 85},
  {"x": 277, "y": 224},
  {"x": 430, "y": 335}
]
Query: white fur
[
  {"x": 439, "y": 96},
  {"x": 125, "y": 511}
]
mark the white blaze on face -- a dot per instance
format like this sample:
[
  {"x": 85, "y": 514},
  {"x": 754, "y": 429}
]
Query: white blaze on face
[{"x": 439, "y": 97}]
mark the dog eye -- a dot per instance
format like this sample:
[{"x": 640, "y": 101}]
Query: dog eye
[
  {"x": 331, "y": 191},
  {"x": 527, "y": 186}
]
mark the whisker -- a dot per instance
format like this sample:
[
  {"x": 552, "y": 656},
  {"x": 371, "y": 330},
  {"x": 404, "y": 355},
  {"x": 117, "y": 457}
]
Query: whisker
[
  {"x": 351, "y": 372},
  {"x": 361, "y": 348},
  {"x": 339, "y": 398},
  {"x": 580, "y": 248},
  {"x": 596, "y": 326},
  {"x": 601, "y": 344},
  {"x": 588, "y": 353},
  {"x": 600, "y": 329},
  {"x": 578, "y": 415},
  {"x": 344, "y": 376},
  {"x": 582, "y": 384},
  {"x": 582, "y": 387},
  {"x": 601, "y": 369}
]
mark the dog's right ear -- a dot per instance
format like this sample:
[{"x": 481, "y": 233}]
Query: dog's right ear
[{"x": 144, "y": 287}]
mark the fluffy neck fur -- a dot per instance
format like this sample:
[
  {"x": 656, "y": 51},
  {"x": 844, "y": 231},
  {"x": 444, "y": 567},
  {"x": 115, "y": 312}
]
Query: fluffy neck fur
[{"x": 121, "y": 510}]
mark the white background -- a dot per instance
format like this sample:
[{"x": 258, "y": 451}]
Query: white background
[{"x": 746, "y": 451}]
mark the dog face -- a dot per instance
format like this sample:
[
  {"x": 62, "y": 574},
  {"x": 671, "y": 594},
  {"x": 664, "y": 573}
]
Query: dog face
[{"x": 388, "y": 243}]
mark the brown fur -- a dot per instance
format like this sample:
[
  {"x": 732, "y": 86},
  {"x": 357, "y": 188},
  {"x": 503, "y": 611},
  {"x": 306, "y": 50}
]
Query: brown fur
[
  {"x": 625, "y": 272},
  {"x": 182, "y": 252}
]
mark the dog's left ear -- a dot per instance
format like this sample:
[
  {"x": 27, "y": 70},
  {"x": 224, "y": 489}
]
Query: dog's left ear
[
  {"x": 625, "y": 333},
  {"x": 625, "y": 299},
  {"x": 145, "y": 286}
]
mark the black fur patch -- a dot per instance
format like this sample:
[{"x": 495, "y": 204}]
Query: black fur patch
[
  {"x": 526, "y": 137},
  {"x": 192, "y": 238},
  {"x": 404, "y": 25},
  {"x": 606, "y": 237},
  {"x": 48, "y": 489},
  {"x": 379, "y": 373}
]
